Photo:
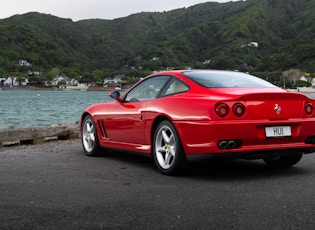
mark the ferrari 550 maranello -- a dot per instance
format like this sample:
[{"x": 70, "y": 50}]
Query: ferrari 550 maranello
[{"x": 176, "y": 116}]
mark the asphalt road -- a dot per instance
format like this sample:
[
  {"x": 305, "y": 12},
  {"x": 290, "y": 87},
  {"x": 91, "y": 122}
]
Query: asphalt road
[{"x": 55, "y": 186}]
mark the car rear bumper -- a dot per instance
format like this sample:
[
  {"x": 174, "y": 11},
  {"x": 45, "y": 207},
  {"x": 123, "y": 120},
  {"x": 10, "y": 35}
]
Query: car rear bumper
[{"x": 204, "y": 138}]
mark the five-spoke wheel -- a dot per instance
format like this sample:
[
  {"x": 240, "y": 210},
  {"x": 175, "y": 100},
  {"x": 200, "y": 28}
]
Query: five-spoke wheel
[
  {"x": 167, "y": 149},
  {"x": 89, "y": 137}
]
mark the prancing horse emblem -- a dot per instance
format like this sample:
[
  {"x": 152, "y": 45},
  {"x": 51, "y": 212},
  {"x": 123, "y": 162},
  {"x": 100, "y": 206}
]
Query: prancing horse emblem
[{"x": 277, "y": 108}]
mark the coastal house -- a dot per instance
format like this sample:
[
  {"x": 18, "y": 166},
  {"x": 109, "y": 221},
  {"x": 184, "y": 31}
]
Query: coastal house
[
  {"x": 11, "y": 82},
  {"x": 34, "y": 73},
  {"x": 74, "y": 82},
  {"x": 113, "y": 82},
  {"x": 303, "y": 78},
  {"x": 2, "y": 80},
  {"x": 308, "y": 79},
  {"x": 24, "y": 63},
  {"x": 67, "y": 80},
  {"x": 24, "y": 81},
  {"x": 56, "y": 80}
]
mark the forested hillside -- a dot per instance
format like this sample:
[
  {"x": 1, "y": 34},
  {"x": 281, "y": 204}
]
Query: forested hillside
[{"x": 208, "y": 35}]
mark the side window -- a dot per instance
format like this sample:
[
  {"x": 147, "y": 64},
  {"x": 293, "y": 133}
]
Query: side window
[
  {"x": 147, "y": 90},
  {"x": 176, "y": 87}
]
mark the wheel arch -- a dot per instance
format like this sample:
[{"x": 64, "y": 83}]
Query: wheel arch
[
  {"x": 82, "y": 118},
  {"x": 156, "y": 122},
  {"x": 96, "y": 123}
]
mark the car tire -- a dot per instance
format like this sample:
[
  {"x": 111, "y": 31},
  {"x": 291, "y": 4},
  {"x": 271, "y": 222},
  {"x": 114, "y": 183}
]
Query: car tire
[
  {"x": 168, "y": 152},
  {"x": 89, "y": 137},
  {"x": 284, "y": 161}
]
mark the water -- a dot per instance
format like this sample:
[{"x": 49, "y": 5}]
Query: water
[{"x": 22, "y": 109}]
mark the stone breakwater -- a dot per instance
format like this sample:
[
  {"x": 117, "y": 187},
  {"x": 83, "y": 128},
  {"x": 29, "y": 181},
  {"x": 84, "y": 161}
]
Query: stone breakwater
[{"x": 38, "y": 135}]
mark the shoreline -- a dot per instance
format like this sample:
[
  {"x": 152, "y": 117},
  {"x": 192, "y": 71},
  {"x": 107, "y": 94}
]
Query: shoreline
[
  {"x": 78, "y": 89},
  {"x": 29, "y": 88},
  {"x": 37, "y": 135}
]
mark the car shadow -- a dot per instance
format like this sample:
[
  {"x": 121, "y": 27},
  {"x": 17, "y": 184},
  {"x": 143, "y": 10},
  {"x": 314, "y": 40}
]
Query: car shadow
[
  {"x": 130, "y": 158},
  {"x": 222, "y": 170},
  {"x": 225, "y": 170}
]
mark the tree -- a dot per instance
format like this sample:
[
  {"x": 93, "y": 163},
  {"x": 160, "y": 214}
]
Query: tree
[
  {"x": 62, "y": 82},
  {"x": 98, "y": 75}
]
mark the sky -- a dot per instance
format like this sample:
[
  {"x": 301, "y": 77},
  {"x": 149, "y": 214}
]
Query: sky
[{"x": 91, "y": 9}]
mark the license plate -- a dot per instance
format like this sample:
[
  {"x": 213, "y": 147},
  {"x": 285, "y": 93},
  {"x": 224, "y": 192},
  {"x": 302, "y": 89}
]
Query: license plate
[{"x": 278, "y": 131}]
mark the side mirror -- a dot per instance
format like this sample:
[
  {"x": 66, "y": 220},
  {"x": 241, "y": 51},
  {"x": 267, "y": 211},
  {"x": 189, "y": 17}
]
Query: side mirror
[{"x": 115, "y": 95}]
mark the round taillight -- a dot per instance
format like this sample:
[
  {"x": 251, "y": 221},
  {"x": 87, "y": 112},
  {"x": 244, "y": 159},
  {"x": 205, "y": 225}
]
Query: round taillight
[
  {"x": 239, "y": 109},
  {"x": 222, "y": 110},
  {"x": 309, "y": 108}
]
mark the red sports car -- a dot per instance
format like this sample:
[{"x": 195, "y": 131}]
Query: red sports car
[{"x": 175, "y": 116}]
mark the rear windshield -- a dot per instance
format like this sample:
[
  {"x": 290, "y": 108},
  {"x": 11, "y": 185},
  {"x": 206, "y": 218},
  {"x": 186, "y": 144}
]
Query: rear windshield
[{"x": 226, "y": 79}]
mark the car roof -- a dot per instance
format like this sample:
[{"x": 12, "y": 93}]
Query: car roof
[{"x": 218, "y": 78}]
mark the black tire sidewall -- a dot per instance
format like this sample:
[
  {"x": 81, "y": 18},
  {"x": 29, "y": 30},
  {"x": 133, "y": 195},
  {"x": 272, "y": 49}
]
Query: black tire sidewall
[{"x": 284, "y": 161}]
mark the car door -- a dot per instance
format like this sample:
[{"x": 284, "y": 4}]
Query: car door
[{"x": 126, "y": 121}]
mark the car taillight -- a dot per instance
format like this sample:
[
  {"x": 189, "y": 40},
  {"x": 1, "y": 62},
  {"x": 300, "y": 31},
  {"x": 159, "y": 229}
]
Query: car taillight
[
  {"x": 238, "y": 109},
  {"x": 222, "y": 110},
  {"x": 309, "y": 108}
]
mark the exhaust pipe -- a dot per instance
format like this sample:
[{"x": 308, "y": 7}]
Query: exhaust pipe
[
  {"x": 231, "y": 144},
  {"x": 223, "y": 144}
]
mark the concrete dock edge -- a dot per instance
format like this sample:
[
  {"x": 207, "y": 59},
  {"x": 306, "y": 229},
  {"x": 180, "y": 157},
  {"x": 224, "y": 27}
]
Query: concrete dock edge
[{"x": 37, "y": 135}]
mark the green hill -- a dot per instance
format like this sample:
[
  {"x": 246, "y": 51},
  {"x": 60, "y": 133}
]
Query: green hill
[{"x": 207, "y": 35}]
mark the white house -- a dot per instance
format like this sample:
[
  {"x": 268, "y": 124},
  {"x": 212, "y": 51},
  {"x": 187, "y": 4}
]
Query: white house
[
  {"x": 303, "y": 78},
  {"x": 74, "y": 82},
  {"x": 68, "y": 81},
  {"x": 11, "y": 82},
  {"x": 116, "y": 81},
  {"x": 24, "y": 63},
  {"x": 24, "y": 81},
  {"x": 56, "y": 80}
]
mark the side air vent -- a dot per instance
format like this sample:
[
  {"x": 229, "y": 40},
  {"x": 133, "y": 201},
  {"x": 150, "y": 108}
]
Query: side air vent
[{"x": 102, "y": 129}]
